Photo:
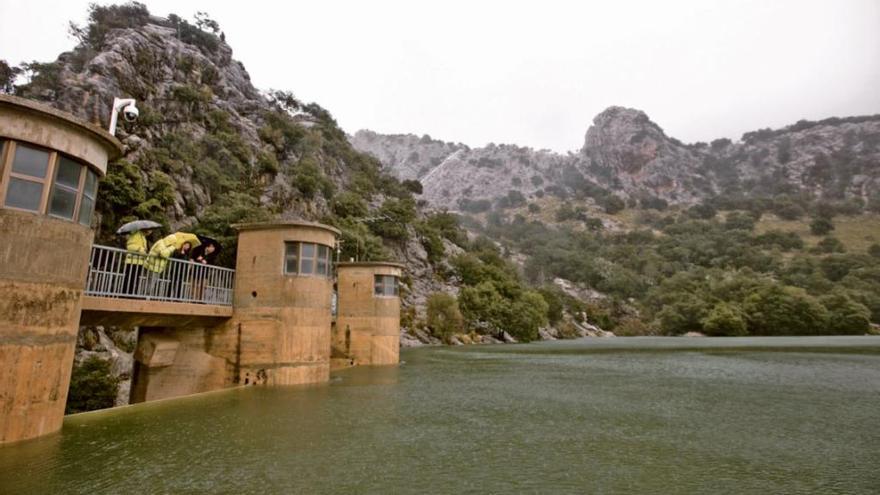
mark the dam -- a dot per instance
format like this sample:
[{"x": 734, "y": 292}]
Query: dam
[{"x": 269, "y": 321}]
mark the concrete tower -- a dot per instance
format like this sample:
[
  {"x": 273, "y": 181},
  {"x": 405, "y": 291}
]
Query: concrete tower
[
  {"x": 367, "y": 327},
  {"x": 283, "y": 291},
  {"x": 50, "y": 163}
]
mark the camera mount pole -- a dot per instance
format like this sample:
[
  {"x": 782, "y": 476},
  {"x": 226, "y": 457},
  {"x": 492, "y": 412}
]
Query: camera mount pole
[{"x": 118, "y": 105}]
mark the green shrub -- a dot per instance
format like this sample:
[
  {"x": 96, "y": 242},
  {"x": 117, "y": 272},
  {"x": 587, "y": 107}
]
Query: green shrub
[
  {"x": 780, "y": 310},
  {"x": 725, "y": 319},
  {"x": 349, "y": 204},
  {"x": 309, "y": 179},
  {"x": 412, "y": 186},
  {"x": 358, "y": 243},
  {"x": 685, "y": 315},
  {"x": 830, "y": 245},
  {"x": 395, "y": 215},
  {"x": 613, "y": 204},
  {"x": 431, "y": 241},
  {"x": 92, "y": 386},
  {"x": 553, "y": 296},
  {"x": 444, "y": 319},
  {"x": 821, "y": 226},
  {"x": 218, "y": 219},
  {"x": 846, "y": 317},
  {"x": 447, "y": 225},
  {"x": 631, "y": 327}
]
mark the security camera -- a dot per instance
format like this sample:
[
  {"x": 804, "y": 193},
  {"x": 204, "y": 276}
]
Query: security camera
[
  {"x": 130, "y": 113},
  {"x": 128, "y": 109}
]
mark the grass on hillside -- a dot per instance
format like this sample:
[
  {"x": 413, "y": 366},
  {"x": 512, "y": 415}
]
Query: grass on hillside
[{"x": 855, "y": 232}]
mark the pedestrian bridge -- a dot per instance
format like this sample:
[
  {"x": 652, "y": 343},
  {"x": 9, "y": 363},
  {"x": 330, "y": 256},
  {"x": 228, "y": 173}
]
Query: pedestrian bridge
[{"x": 126, "y": 289}]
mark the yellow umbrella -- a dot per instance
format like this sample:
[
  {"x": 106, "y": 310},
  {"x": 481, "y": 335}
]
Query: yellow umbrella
[
  {"x": 165, "y": 247},
  {"x": 179, "y": 238}
]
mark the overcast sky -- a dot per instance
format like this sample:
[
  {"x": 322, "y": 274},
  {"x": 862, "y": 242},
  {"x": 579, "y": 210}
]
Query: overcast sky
[{"x": 532, "y": 73}]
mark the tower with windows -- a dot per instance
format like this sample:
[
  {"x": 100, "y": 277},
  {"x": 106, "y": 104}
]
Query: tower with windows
[
  {"x": 50, "y": 164},
  {"x": 283, "y": 291},
  {"x": 367, "y": 329}
]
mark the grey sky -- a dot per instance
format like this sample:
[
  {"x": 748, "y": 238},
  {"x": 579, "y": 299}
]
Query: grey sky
[{"x": 532, "y": 73}]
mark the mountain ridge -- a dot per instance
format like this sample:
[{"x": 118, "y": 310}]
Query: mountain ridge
[{"x": 627, "y": 154}]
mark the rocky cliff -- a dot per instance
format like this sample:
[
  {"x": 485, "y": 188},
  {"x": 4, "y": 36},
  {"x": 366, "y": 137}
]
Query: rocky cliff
[{"x": 628, "y": 155}]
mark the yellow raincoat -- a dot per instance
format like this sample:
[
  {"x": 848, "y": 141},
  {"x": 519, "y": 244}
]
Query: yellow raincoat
[
  {"x": 165, "y": 247},
  {"x": 136, "y": 242}
]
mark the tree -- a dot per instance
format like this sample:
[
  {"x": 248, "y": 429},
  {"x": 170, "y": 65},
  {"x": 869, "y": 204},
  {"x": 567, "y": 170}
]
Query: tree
[
  {"x": 553, "y": 297},
  {"x": 8, "y": 74},
  {"x": 830, "y": 245},
  {"x": 205, "y": 23},
  {"x": 821, "y": 225},
  {"x": 613, "y": 204},
  {"x": 781, "y": 310},
  {"x": 349, "y": 204},
  {"x": 682, "y": 316},
  {"x": 527, "y": 314},
  {"x": 483, "y": 303},
  {"x": 704, "y": 211},
  {"x": 739, "y": 221},
  {"x": 443, "y": 316},
  {"x": 725, "y": 319},
  {"x": 847, "y": 317},
  {"x": 565, "y": 212},
  {"x": 394, "y": 216},
  {"x": 413, "y": 186},
  {"x": 92, "y": 386}
]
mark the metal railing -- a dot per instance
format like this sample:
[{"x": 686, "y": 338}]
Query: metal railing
[{"x": 119, "y": 273}]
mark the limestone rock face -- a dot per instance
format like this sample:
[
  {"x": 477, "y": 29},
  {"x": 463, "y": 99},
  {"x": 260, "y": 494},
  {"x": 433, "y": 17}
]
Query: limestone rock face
[
  {"x": 408, "y": 155},
  {"x": 626, "y": 154},
  {"x": 626, "y": 151}
]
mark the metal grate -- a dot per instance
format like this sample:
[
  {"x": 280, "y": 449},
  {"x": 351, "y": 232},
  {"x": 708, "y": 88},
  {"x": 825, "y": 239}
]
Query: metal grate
[{"x": 119, "y": 273}]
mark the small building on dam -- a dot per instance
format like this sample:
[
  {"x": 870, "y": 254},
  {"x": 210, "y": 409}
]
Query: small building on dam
[{"x": 270, "y": 321}]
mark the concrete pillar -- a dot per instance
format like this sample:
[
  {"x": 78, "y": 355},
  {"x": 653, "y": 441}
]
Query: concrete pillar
[
  {"x": 367, "y": 328},
  {"x": 49, "y": 166}
]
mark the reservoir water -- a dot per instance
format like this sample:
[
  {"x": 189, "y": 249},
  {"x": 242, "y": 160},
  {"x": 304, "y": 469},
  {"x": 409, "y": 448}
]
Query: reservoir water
[{"x": 626, "y": 415}]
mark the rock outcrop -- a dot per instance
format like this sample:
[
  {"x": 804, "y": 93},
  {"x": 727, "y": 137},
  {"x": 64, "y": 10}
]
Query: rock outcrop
[{"x": 628, "y": 155}]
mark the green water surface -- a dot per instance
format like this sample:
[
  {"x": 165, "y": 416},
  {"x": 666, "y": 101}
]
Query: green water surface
[{"x": 636, "y": 415}]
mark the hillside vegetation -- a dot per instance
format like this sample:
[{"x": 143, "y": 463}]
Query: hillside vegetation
[{"x": 636, "y": 231}]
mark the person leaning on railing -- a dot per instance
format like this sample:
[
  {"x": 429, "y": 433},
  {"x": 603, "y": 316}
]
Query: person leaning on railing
[
  {"x": 136, "y": 242},
  {"x": 205, "y": 255},
  {"x": 165, "y": 247}
]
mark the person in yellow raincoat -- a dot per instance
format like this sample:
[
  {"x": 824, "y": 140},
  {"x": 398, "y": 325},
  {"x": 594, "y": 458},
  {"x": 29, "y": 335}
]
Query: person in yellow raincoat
[
  {"x": 135, "y": 242},
  {"x": 166, "y": 246}
]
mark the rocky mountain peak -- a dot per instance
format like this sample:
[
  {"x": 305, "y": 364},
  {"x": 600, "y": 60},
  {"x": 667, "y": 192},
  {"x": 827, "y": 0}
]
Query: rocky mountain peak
[{"x": 626, "y": 140}]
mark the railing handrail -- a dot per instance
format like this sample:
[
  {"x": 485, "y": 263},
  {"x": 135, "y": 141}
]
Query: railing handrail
[{"x": 119, "y": 273}]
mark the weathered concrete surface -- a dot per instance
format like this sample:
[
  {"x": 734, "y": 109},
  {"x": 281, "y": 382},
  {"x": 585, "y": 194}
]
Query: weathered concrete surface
[
  {"x": 137, "y": 312},
  {"x": 43, "y": 263},
  {"x": 367, "y": 326},
  {"x": 27, "y": 120},
  {"x": 172, "y": 362}
]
